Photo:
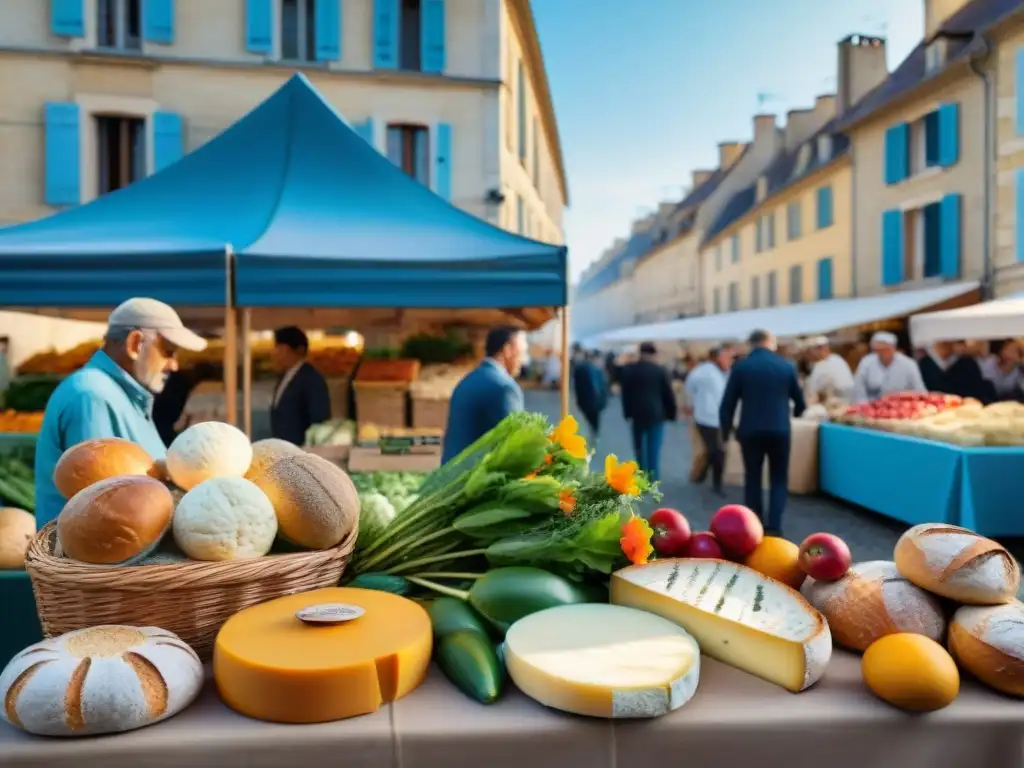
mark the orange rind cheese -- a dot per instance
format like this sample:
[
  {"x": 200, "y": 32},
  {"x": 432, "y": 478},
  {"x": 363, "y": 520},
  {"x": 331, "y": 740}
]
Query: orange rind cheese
[{"x": 270, "y": 665}]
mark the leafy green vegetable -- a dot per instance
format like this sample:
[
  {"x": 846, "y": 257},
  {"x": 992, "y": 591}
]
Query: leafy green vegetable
[{"x": 375, "y": 515}]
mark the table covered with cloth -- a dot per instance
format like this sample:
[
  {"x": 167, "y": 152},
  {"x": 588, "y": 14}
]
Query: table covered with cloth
[{"x": 733, "y": 720}]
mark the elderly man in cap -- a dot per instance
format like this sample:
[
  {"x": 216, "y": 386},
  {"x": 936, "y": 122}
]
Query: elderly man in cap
[
  {"x": 829, "y": 372},
  {"x": 885, "y": 370},
  {"x": 112, "y": 395}
]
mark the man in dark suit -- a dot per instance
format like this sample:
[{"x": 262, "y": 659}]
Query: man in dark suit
[
  {"x": 488, "y": 393},
  {"x": 301, "y": 397},
  {"x": 765, "y": 383},
  {"x": 591, "y": 390},
  {"x": 648, "y": 402}
]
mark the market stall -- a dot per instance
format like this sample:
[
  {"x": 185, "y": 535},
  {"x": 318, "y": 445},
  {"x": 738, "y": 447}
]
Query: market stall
[{"x": 998, "y": 319}]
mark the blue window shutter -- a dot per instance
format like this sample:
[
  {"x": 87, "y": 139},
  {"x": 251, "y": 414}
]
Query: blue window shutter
[
  {"x": 63, "y": 184},
  {"x": 433, "y": 31},
  {"x": 1020, "y": 91},
  {"x": 825, "y": 278},
  {"x": 1020, "y": 214},
  {"x": 949, "y": 236},
  {"x": 949, "y": 135},
  {"x": 328, "y": 30},
  {"x": 365, "y": 131},
  {"x": 892, "y": 247},
  {"x": 443, "y": 161},
  {"x": 158, "y": 21},
  {"x": 259, "y": 26},
  {"x": 168, "y": 140},
  {"x": 824, "y": 207},
  {"x": 897, "y": 154},
  {"x": 385, "y": 34},
  {"x": 67, "y": 18}
]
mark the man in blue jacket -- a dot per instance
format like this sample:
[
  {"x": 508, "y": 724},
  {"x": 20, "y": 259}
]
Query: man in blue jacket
[
  {"x": 765, "y": 383},
  {"x": 112, "y": 395},
  {"x": 488, "y": 393},
  {"x": 591, "y": 390}
]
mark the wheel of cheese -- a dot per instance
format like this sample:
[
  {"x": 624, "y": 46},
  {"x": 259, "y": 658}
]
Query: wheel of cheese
[
  {"x": 872, "y": 600},
  {"x": 271, "y": 665},
  {"x": 958, "y": 563},
  {"x": 17, "y": 527},
  {"x": 603, "y": 661},
  {"x": 103, "y": 679},
  {"x": 988, "y": 642}
]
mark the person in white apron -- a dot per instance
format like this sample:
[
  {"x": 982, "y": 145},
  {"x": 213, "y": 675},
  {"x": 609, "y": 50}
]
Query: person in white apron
[{"x": 885, "y": 370}]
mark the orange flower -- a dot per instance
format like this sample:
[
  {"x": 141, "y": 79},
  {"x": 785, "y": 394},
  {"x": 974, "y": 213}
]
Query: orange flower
[
  {"x": 566, "y": 434},
  {"x": 531, "y": 476},
  {"x": 621, "y": 477},
  {"x": 636, "y": 540},
  {"x": 566, "y": 502},
  {"x": 548, "y": 458}
]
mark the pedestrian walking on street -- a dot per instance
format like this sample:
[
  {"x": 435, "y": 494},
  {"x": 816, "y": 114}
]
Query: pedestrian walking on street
[
  {"x": 647, "y": 402},
  {"x": 590, "y": 386},
  {"x": 765, "y": 384},
  {"x": 706, "y": 386}
]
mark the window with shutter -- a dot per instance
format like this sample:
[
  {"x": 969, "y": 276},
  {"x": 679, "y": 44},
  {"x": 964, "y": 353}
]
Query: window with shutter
[
  {"x": 796, "y": 284},
  {"x": 736, "y": 248},
  {"x": 824, "y": 207},
  {"x": 755, "y": 292},
  {"x": 794, "y": 222},
  {"x": 717, "y": 308},
  {"x": 772, "y": 297},
  {"x": 825, "y": 278},
  {"x": 119, "y": 24}
]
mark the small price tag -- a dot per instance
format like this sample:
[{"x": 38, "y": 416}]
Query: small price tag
[{"x": 330, "y": 613}]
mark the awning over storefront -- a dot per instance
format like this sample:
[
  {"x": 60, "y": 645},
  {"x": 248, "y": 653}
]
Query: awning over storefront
[
  {"x": 999, "y": 319},
  {"x": 792, "y": 321}
]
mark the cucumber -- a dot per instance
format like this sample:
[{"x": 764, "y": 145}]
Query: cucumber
[
  {"x": 382, "y": 582},
  {"x": 449, "y": 615},
  {"x": 468, "y": 658},
  {"x": 505, "y": 595}
]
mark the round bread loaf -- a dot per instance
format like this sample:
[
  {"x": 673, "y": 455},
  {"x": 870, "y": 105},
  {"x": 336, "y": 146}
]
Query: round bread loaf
[
  {"x": 224, "y": 518},
  {"x": 115, "y": 521},
  {"x": 86, "y": 463},
  {"x": 17, "y": 527},
  {"x": 872, "y": 600},
  {"x": 958, "y": 563},
  {"x": 207, "y": 450},
  {"x": 988, "y": 642},
  {"x": 316, "y": 503},
  {"x": 104, "y": 679},
  {"x": 267, "y": 452}
]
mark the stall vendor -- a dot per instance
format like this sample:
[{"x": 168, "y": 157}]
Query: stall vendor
[
  {"x": 829, "y": 372},
  {"x": 885, "y": 370},
  {"x": 112, "y": 395}
]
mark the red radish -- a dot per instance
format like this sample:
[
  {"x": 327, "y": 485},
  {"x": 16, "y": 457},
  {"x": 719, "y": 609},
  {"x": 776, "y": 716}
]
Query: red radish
[
  {"x": 737, "y": 529},
  {"x": 671, "y": 532},
  {"x": 704, "y": 544},
  {"x": 825, "y": 557}
]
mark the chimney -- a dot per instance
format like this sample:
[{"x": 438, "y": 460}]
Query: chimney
[
  {"x": 861, "y": 68},
  {"x": 728, "y": 153},
  {"x": 825, "y": 106},
  {"x": 665, "y": 208},
  {"x": 800, "y": 124},
  {"x": 699, "y": 177},
  {"x": 766, "y": 130},
  {"x": 936, "y": 12}
]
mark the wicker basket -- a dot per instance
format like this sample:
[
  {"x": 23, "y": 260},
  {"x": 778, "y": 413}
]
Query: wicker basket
[
  {"x": 381, "y": 404},
  {"x": 430, "y": 412},
  {"x": 191, "y": 599}
]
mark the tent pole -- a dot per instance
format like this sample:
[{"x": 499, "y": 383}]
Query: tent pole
[
  {"x": 247, "y": 371},
  {"x": 565, "y": 361},
  {"x": 230, "y": 345}
]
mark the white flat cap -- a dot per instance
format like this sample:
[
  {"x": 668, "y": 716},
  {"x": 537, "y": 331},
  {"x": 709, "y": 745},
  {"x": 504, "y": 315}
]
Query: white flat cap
[
  {"x": 153, "y": 315},
  {"x": 884, "y": 337},
  {"x": 817, "y": 341}
]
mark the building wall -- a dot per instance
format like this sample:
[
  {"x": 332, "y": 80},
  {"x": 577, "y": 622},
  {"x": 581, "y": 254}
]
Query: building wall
[
  {"x": 805, "y": 251},
  {"x": 872, "y": 196},
  {"x": 665, "y": 282},
  {"x": 1008, "y": 235}
]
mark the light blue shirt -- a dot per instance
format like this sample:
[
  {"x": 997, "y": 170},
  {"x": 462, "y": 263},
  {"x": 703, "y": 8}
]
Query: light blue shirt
[{"x": 100, "y": 400}]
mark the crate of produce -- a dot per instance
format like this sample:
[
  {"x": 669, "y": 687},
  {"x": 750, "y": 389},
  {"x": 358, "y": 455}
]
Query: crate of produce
[
  {"x": 430, "y": 412},
  {"x": 339, "y": 388},
  {"x": 381, "y": 403},
  {"x": 399, "y": 371}
]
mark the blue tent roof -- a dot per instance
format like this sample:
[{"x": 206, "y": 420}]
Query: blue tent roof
[{"x": 315, "y": 215}]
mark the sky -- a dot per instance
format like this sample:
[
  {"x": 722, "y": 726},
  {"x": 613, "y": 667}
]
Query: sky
[{"x": 644, "y": 90}]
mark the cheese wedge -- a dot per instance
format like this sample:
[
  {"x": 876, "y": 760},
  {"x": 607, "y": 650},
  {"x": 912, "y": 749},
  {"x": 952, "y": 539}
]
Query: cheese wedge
[
  {"x": 271, "y": 665},
  {"x": 738, "y": 616},
  {"x": 603, "y": 661}
]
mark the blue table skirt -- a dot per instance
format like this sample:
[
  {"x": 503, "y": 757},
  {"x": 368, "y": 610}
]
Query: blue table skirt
[
  {"x": 920, "y": 481},
  {"x": 19, "y": 621}
]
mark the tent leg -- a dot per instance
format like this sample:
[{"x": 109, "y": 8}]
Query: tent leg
[
  {"x": 231, "y": 365},
  {"x": 565, "y": 361},
  {"x": 247, "y": 371}
]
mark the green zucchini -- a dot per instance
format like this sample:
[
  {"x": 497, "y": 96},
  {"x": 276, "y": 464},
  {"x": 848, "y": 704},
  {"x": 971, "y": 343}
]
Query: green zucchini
[
  {"x": 449, "y": 614},
  {"x": 382, "y": 582},
  {"x": 468, "y": 658},
  {"x": 505, "y": 595}
]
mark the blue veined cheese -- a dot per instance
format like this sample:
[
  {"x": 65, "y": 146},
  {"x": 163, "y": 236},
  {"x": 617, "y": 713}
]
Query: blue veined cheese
[
  {"x": 737, "y": 615},
  {"x": 603, "y": 661}
]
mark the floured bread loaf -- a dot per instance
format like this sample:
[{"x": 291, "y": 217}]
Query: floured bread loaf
[{"x": 99, "y": 680}]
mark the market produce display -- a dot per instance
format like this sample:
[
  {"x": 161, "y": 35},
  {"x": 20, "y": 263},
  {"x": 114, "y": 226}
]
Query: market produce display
[
  {"x": 988, "y": 642},
  {"x": 338, "y": 432},
  {"x": 224, "y": 518},
  {"x": 17, "y": 527},
  {"x": 207, "y": 450},
  {"x": 912, "y": 672},
  {"x": 20, "y": 422},
  {"x": 99, "y": 680},
  {"x": 105, "y": 457},
  {"x": 17, "y": 478}
]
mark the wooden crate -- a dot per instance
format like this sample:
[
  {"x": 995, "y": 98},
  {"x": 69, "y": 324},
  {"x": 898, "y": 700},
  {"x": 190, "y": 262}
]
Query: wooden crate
[
  {"x": 372, "y": 460},
  {"x": 430, "y": 412},
  {"x": 338, "y": 387},
  {"x": 381, "y": 403}
]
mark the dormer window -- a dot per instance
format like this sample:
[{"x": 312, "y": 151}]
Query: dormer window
[
  {"x": 803, "y": 159},
  {"x": 762, "y": 188},
  {"x": 935, "y": 55},
  {"x": 824, "y": 148}
]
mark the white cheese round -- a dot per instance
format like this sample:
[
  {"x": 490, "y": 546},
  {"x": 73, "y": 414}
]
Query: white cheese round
[
  {"x": 225, "y": 518},
  {"x": 206, "y": 450}
]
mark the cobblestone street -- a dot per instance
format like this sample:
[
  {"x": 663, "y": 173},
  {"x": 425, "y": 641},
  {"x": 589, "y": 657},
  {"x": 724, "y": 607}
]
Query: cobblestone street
[{"x": 870, "y": 537}]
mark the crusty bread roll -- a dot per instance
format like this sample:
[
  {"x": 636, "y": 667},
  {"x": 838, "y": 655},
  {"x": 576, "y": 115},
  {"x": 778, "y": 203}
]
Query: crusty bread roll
[
  {"x": 958, "y": 563},
  {"x": 86, "y": 463},
  {"x": 17, "y": 527},
  {"x": 115, "y": 521},
  {"x": 103, "y": 679},
  {"x": 267, "y": 452},
  {"x": 872, "y": 600},
  {"x": 988, "y": 642}
]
